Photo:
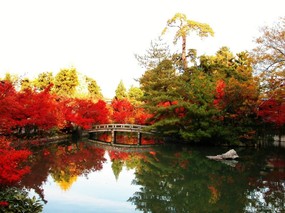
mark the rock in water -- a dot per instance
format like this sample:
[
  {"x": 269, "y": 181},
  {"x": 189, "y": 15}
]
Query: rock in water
[{"x": 231, "y": 154}]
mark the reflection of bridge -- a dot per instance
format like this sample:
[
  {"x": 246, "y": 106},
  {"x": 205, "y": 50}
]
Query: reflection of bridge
[{"x": 114, "y": 128}]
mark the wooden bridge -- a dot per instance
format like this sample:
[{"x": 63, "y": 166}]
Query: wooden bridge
[{"x": 114, "y": 128}]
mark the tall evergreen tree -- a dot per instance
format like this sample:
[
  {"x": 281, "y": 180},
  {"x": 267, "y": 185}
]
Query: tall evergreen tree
[
  {"x": 121, "y": 91},
  {"x": 160, "y": 87},
  {"x": 93, "y": 89},
  {"x": 185, "y": 27}
]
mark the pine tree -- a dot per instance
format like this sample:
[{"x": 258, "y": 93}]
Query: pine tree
[{"x": 121, "y": 92}]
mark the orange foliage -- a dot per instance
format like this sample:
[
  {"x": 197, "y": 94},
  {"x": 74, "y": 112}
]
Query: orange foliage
[{"x": 123, "y": 111}]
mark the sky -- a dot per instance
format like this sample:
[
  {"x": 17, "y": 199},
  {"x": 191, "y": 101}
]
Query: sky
[{"x": 100, "y": 38}]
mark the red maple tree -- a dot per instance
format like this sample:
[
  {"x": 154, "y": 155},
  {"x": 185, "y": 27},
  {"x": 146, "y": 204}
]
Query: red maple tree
[
  {"x": 82, "y": 112},
  {"x": 272, "y": 111}
]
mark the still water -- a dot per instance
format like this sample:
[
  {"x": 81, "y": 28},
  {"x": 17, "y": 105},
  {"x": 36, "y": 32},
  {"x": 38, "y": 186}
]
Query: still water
[{"x": 87, "y": 177}]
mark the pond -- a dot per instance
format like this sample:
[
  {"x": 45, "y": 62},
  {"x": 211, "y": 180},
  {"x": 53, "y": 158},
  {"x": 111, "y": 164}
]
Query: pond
[{"x": 88, "y": 177}]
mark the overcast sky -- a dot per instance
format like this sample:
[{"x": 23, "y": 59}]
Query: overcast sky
[{"x": 100, "y": 38}]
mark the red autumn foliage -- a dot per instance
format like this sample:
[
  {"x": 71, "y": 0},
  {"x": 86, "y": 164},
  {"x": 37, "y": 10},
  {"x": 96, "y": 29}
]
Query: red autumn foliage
[
  {"x": 7, "y": 98},
  {"x": 11, "y": 170},
  {"x": 26, "y": 109},
  {"x": 4, "y": 203},
  {"x": 141, "y": 116},
  {"x": 219, "y": 93},
  {"x": 83, "y": 113},
  {"x": 123, "y": 111},
  {"x": 272, "y": 111},
  {"x": 179, "y": 111},
  {"x": 37, "y": 109}
]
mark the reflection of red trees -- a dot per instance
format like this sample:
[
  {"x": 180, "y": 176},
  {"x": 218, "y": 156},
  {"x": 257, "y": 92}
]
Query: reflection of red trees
[
  {"x": 40, "y": 164},
  {"x": 127, "y": 138},
  {"x": 277, "y": 167},
  {"x": 181, "y": 162},
  {"x": 105, "y": 137},
  {"x": 116, "y": 155},
  {"x": 270, "y": 186},
  {"x": 148, "y": 141},
  {"x": 11, "y": 170},
  {"x": 126, "y": 157},
  {"x": 74, "y": 160},
  {"x": 78, "y": 159}
]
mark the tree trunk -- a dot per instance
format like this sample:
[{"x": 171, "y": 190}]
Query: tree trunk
[{"x": 184, "y": 52}]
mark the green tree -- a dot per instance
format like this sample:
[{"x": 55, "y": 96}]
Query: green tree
[
  {"x": 135, "y": 94},
  {"x": 93, "y": 89},
  {"x": 65, "y": 82},
  {"x": 19, "y": 200},
  {"x": 185, "y": 27},
  {"x": 214, "y": 101},
  {"x": 196, "y": 123},
  {"x": 236, "y": 115},
  {"x": 43, "y": 81},
  {"x": 160, "y": 89},
  {"x": 121, "y": 91}
]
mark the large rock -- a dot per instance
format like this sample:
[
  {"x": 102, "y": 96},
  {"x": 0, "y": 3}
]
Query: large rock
[{"x": 231, "y": 154}]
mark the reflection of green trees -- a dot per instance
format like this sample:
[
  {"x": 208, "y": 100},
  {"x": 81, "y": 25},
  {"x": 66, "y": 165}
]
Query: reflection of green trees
[
  {"x": 172, "y": 187},
  {"x": 120, "y": 159},
  {"x": 175, "y": 178},
  {"x": 17, "y": 200},
  {"x": 188, "y": 181},
  {"x": 117, "y": 167}
]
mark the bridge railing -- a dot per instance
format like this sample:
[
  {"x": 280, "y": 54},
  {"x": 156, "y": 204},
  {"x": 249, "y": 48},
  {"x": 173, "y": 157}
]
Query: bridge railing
[
  {"x": 114, "y": 128},
  {"x": 118, "y": 126},
  {"x": 121, "y": 128}
]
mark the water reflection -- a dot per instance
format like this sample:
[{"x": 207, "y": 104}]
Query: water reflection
[
  {"x": 84, "y": 177},
  {"x": 185, "y": 181}
]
